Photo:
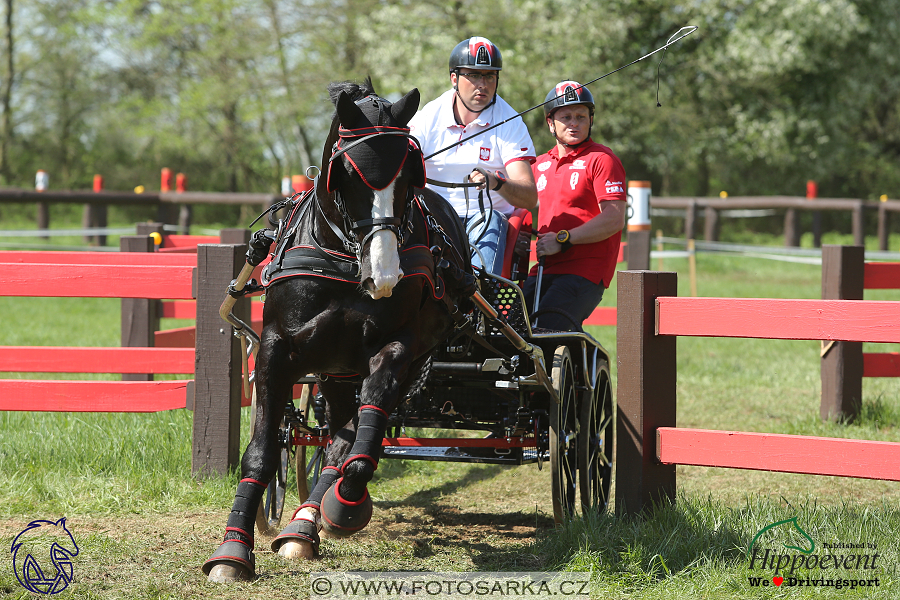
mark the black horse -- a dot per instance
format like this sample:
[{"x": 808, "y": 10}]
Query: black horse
[{"x": 368, "y": 274}]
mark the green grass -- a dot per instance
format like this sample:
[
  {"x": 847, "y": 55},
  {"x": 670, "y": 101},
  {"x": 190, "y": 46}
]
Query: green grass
[{"x": 145, "y": 525}]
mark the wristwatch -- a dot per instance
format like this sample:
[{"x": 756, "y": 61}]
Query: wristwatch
[
  {"x": 501, "y": 179},
  {"x": 563, "y": 238}
]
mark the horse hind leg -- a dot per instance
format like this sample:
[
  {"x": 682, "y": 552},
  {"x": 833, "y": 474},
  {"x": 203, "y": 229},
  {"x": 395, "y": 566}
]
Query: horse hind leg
[{"x": 300, "y": 538}]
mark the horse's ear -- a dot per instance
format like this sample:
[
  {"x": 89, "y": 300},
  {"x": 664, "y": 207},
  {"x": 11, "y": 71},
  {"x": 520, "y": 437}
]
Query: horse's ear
[
  {"x": 348, "y": 112},
  {"x": 404, "y": 108}
]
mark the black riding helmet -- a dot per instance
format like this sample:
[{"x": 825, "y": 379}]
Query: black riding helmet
[
  {"x": 567, "y": 93},
  {"x": 476, "y": 53}
]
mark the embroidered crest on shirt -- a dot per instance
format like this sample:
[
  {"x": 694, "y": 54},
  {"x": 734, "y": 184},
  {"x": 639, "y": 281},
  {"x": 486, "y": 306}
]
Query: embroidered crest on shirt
[
  {"x": 485, "y": 154},
  {"x": 541, "y": 183},
  {"x": 544, "y": 166},
  {"x": 613, "y": 187},
  {"x": 573, "y": 180}
]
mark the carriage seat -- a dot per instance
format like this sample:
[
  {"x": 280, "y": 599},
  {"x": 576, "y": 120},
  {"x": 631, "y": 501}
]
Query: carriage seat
[{"x": 519, "y": 220}]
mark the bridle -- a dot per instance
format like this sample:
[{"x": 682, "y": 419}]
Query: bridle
[{"x": 350, "y": 228}]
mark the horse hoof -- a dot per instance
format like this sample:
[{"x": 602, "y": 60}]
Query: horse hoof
[
  {"x": 297, "y": 549},
  {"x": 300, "y": 539},
  {"x": 224, "y": 573},
  {"x": 341, "y": 517},
  {"x": 232, "y": 561}
]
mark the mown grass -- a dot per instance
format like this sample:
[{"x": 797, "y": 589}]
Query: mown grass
[{"x": 145, "y": 525}]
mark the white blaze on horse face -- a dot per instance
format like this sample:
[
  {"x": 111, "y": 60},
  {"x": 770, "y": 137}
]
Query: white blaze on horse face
[{"x": 383, "y": 253}]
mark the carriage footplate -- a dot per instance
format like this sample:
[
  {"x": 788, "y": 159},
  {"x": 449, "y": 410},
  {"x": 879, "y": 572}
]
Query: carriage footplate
[{"x": 484, "y": 455}]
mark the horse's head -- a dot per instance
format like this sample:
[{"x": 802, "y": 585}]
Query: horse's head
[{"x": 371, "y": 172}]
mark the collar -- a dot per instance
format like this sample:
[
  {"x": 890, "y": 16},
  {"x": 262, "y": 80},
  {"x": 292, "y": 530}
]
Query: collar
[{"x": 578, "y": 150}]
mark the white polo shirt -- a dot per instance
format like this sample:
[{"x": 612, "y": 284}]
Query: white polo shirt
[{"x": 435, "y": 127}]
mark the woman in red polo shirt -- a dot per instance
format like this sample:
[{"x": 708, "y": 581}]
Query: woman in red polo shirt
[{"x": 582, "y": 210}]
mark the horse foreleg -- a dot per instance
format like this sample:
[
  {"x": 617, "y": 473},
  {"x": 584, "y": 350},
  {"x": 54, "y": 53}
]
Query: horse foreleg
[
  {"x": 347, "y": 506},
  {"x": 234, "y": 559}
]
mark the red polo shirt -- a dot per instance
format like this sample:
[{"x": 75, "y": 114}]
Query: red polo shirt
[{"x": 569, "y": 192}]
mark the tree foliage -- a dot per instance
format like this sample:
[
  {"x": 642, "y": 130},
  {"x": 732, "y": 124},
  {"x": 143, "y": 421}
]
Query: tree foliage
[{"x": 765, "y": 95}]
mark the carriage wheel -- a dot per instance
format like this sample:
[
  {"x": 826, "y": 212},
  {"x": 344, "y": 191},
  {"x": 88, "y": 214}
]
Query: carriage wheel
[
  {"x": 595, "y": 441},
  {"x": 563, "y": 437},
  {"x": 307, "y": 471}
]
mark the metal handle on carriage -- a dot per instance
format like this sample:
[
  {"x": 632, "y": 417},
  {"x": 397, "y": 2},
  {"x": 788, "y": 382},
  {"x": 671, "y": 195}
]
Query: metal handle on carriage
[
  {"x": 241, "y": 329},
  {"x": 535, "y": 352},
  {"x": 537, "y": 288}
]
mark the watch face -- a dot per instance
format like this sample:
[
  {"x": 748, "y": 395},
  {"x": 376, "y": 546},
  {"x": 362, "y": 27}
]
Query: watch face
[{"x": 562, "y": 237}]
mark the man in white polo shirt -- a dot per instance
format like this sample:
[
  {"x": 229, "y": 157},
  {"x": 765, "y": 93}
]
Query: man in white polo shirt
[{"x": 505, "y": 152}]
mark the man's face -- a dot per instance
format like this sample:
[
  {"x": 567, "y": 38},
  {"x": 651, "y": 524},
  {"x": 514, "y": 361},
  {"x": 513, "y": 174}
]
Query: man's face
[
  {"x": 571, "y": 124},
  {"x": 476, "y": 88}
]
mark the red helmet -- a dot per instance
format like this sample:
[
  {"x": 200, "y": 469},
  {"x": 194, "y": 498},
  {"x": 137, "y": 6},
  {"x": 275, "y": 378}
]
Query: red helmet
[
  {"x": 476, "y": 53},
  {"x": 567, "y": 93}
]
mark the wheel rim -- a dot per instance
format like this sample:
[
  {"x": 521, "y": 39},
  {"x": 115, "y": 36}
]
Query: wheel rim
[
  {"x": 596, "y": 442},
  {"x": 563, "y": 437}
]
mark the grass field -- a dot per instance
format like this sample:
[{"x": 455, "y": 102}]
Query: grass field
[{"x": 144, "y": 525}]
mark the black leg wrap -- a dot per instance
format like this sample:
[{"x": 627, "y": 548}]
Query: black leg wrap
[
  {"x": 328, "y": 476},
  {"x": 233, "y": 552},
  {"x": 243, "y": 512},
  {"x": 298, "y": 529},
  {"x": 369, "y": 434},
  {"x": 341, "y": 517}
]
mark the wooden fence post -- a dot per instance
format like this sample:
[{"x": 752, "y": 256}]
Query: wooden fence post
[
  {"x": 217, "y": 387},
  {"x": 235, "y": 235},
  {"x": 645, "y": 391},
  {"x": 140, "y": 316},
  {"x": 859, "y": 223},
  {"x": 791, "y": 228},
  {"x": 884, "y": 226},
  {"x": 842, "y": 362},
  {"x": 711, "y": 224},
  {"x": 690, "y": 221}
]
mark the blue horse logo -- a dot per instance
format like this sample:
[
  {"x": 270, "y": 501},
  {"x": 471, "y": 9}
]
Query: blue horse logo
[{"x": 62, "y": 548}]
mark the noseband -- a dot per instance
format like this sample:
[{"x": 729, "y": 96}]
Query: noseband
[{"x": 398, "y": 225}]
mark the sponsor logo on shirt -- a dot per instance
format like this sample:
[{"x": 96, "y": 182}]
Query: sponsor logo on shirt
[
  {"x": 573, "y": 180},
  {"x": 485, "y": 154},
  {"x": 578, "y": 164},
  {"x": 542, "y": 182},
  {"x": 544, "y": 166},
  {"x": 613, "y": 187}
]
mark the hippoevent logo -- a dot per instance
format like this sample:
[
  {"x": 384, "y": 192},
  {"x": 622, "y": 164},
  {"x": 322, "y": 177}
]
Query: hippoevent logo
[
  {"x": 42, "y": 556},
  {"x": 784, "y": 555}
]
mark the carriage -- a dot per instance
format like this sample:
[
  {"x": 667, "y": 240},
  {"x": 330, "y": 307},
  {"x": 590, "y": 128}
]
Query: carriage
[
  {"x": 484, "y": 403},
  {"x": 448, "y": 352}
]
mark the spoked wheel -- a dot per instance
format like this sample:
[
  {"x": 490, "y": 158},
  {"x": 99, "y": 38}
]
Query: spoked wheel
[
  {"x": 308, "y": 471},
  {"x": 563, "y": 437},
  {"x": 268, "y": 515},
  {"x": 595, "y": 439}
]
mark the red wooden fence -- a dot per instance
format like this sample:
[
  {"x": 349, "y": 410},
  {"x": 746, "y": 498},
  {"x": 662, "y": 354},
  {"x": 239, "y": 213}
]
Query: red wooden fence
[
  {"x": 649, "y": 445},
  {"x": 213, "y": 394},
  {"x": 845, "y": 276}
]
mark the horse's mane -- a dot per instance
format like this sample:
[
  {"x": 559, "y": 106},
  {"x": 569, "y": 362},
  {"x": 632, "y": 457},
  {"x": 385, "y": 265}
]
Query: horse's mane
[{"x": 351, "y": 88}]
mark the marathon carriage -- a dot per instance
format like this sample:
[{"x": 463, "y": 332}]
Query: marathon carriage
[{"x": 486, "y": 384}]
